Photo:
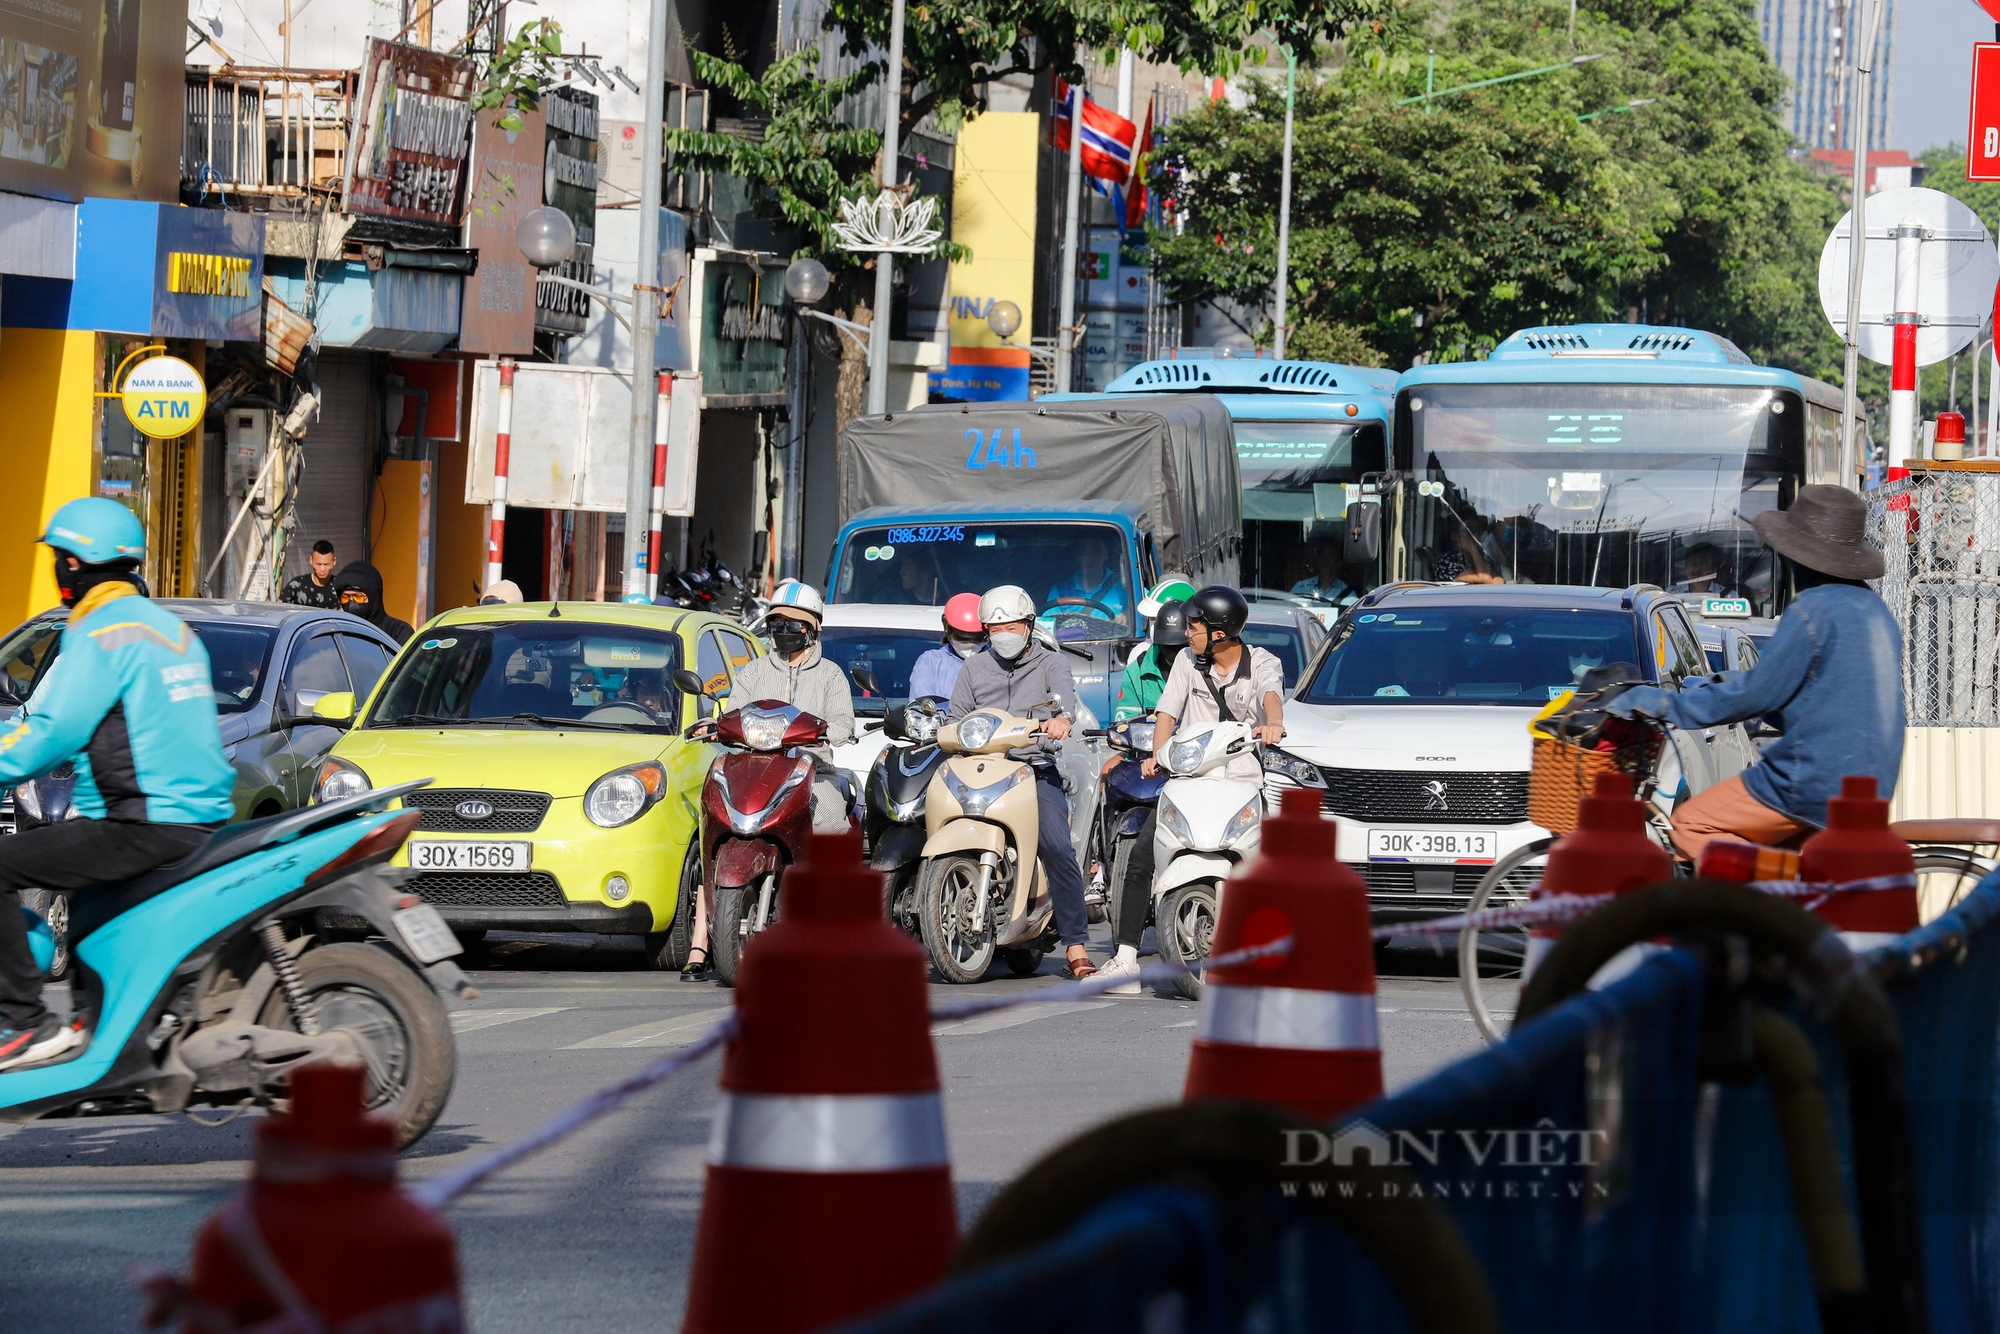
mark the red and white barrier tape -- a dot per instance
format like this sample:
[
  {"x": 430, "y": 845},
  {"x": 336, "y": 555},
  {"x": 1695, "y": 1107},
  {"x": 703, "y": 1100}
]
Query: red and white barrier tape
[{"x": 1561, "y": 909}]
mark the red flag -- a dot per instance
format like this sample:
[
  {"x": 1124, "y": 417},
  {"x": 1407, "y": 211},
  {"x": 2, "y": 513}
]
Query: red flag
[
  {"x": 1107, "y": 137},
  {"x": 1135, "y": 196}
]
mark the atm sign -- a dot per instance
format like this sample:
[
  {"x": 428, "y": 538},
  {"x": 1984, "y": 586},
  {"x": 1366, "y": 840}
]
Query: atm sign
[{"x": 164, "y": 397}]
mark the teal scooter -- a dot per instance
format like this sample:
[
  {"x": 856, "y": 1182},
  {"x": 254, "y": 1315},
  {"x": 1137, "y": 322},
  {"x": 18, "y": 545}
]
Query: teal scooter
[{"x": 277, "y": 942}]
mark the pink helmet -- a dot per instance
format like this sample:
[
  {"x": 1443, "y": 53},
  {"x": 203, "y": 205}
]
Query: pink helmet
[{"x": 962, "y": 614}]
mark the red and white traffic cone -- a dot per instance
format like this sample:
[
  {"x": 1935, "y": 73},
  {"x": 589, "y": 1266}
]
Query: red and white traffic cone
[
  {"x": 321, "y": 1238},
  {"x": 1609, "y": 852},
  {"x": 1857, "y": 845},
  {"x": 829, "y": 1187},
  {"x": 1299, "y": 1029}
]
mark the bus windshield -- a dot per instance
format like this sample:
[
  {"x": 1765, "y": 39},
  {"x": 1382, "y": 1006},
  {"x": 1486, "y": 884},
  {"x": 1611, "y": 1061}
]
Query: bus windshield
[
  {"x": 1282, "y": 461},
  {"x": 1079, "y": 574},
  {"x": 1598, "y": 484}
]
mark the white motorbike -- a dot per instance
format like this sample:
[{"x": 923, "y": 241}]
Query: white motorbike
[{"x": 1208, "y": 823}]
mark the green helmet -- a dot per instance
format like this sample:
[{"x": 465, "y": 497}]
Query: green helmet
[{"x": 1171, "y": 588}]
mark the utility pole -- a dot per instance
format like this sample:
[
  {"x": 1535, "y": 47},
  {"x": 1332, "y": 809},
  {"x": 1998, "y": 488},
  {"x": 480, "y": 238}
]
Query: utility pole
[
  {"x": 1066, "y": 335},
  {"x": 1285, "y": 209},
  {"x": 1857, "y": 233},
  {"x": 646, "y": 310},
  {"x": 885, "y": 263}
]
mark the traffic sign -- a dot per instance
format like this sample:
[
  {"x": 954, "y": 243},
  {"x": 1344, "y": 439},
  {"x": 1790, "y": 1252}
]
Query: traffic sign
[
  {"x": 1982, "y": 138},
  {"x": 164, "y": 397},
  {"x": 1956, "y": 270}
]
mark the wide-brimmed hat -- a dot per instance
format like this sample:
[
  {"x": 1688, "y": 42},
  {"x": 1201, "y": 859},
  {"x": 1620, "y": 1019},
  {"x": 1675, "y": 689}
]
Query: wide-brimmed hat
[{"x": 1826, "y": 529}]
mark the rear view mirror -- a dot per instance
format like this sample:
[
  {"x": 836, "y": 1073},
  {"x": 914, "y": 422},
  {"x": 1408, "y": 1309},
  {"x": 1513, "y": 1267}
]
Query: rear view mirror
[
  {"x": 689, "y": 682},
  {"x": 865, "y": 678},
  {"x": 1363, "y": 541}
]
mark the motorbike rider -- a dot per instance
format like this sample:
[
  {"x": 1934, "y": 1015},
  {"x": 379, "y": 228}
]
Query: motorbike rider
[
  {"x": 937, "y": 670},
  {"x": 130, "y": 702},
  {"x": 1830, "y": 678},
  {"x": 1017, "y": 674},
  {"x": 1146, "y": 674},
  {"x": 1218, "y": 678}
]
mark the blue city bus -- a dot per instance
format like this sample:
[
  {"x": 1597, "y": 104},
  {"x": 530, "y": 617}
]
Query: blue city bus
[
  {"x": 1306, "y": 433},
  {"x": 1606, "y": 455}
]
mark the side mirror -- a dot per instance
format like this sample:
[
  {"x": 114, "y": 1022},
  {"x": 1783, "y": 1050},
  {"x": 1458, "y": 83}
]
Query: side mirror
[
  {"x": 689, "y": 682},
  {"x": 334, "y": 707},
  {"x": 1363, "y": 537},
  {"x": 865, "y": 678}
]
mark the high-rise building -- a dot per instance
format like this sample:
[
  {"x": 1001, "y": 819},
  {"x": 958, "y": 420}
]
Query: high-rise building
[{"x": 1808, "y": 40}]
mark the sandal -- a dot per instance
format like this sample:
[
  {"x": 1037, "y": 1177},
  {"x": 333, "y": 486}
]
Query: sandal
[
  {"x": 1078, "y": 967},
  {"x": 696, "y": 970}
]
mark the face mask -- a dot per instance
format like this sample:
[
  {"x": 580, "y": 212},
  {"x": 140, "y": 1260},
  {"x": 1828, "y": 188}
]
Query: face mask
[
  {"x": 963, "y": 645},
  {"x": 1579, "y": 663},
  {"x": 71, "y": 585},
  {"x": 788, "y": 636},
  {"x": 1008, "y": 645}
]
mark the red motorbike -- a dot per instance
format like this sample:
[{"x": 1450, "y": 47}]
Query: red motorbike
[{"x": 756, "y": 810}]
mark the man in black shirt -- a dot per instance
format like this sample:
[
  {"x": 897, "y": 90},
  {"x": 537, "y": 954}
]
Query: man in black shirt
[{"x": 314, "y": 588}]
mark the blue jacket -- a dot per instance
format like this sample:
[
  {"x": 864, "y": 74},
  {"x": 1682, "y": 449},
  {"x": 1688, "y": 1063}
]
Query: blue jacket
[
  {"x": 130, "y": 701},
  {"x": 1831, "y": 677},
  {"x": 935, "y": 673}
]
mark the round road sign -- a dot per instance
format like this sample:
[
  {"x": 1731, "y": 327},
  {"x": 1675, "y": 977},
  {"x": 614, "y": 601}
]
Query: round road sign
[
  {"x": 164, "y": 397},
  {"x": 1957, "y": 271}
]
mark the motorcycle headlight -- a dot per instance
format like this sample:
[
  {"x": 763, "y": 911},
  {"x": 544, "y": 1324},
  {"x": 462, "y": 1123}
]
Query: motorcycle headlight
[
  {"x": 920, "y": 727},
  {"x": 1291, "y": 766},
  {"x": 28, "y": 800},
  {"x": 763, "y": 731},
  {"x": 1183, "y": 757},
  {"x": 974, "y": 732},
  {"x": 1243, "y": 821},
  {"x": 1174, "y": 822},
  {"x": 339, "y": 780},
  {"x": 1139, "y": 735},
  {"x": 623, "y": 795}
]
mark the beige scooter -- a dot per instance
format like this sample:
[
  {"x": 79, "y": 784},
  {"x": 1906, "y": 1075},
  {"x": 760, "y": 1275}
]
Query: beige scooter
[{"x": 975, "y": 898}]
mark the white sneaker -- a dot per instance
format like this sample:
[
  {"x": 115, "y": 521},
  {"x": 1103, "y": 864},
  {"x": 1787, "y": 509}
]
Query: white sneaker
[{"x": 1121, "y": 967}]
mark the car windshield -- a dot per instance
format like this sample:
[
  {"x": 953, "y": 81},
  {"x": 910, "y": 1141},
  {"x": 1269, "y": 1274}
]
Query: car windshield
[
  {"x": 890, "y": 654},
  {"x": 1605, "y": 485},
  {"x": 535, "y": 673},
  {"x": 1467, "y": 654},
  {"x": 238, "y": 655},
  {"x": 1287, "y": 643},
  {"x": 1078, "y": 573}
]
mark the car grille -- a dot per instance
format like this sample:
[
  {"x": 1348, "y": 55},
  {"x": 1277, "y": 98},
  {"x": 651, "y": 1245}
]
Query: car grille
[
  {"x": 1381, "y": 795},
  {"x": 474, "y": 889},
  {"x": 513, "y": 812},
  {"x": 1395, "y": 885}
]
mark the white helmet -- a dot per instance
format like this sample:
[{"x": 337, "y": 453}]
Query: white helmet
[
  {"x": 799, "y": 596},
  {"x": 1009, "y": 602}
]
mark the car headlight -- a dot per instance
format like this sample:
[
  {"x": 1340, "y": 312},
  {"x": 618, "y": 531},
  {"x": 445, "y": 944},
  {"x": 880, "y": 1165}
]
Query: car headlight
[
  {"x": 1174, "y": 822},
  {"x": 1243, "y": 821},
  {"x": 976, "y": 731},
  {"x": 623, "y": 795},
  {"x": 1183, "y": 757},
  {"x": 1291, "y": 766},
  {"x": 764, "y": 731},
  {"x": 1139, "y": 735},
  {"x": 339, "y": 780},
  {"x": 976, "y": 801}
]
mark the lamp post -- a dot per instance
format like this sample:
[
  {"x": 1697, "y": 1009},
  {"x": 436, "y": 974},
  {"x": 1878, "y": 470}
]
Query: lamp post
[
  {"x": 806, "y": 283},
  {"x": 646, "y": 304},
  {"x": 1285, "y": 209},
  {"x": 1857, "y": 241},
  {"x": 885, "y": 261}
]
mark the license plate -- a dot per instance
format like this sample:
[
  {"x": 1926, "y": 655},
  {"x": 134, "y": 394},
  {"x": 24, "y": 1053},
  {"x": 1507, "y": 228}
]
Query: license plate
[
  {"x": 425, "y": 935},
  {"x": 468, "y": 855},
  {"x": 1436, "y": 847}
]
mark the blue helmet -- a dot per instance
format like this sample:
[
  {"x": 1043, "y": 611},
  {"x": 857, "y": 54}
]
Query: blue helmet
[{"x": 97, "y": 531}]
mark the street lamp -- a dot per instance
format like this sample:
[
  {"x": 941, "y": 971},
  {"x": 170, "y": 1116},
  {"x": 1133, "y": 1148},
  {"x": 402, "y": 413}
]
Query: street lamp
[
  {"x": 1004, "y": 319},
  {"x": 546, "y": 236},
  {"x": 807, "y": 281}
]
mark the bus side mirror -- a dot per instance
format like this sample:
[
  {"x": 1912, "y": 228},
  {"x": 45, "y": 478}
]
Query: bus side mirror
[{"x": 1364, "y": 532}]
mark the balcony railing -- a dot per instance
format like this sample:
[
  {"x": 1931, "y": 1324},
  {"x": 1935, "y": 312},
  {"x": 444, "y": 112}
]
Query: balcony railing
[{"x": 266, "y": 131}]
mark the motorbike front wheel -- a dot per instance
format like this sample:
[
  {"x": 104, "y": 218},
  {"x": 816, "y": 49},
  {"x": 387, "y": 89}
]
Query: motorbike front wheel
[
  {"x": 957, "y": 923},
  {"x": 1185, "y": 926},
  {"x": 1114, "y": 893},
  {"x": 395, "y": 1017},
  {"x": 730, "y": 929}
]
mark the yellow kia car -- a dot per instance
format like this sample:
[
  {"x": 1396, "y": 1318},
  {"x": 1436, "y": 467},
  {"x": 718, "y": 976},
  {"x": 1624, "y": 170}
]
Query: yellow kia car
[{"x": 565, "y": 796}]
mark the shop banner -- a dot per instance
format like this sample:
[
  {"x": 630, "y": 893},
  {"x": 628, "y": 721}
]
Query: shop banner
[
  {"x": 91, "y": 98},
  {"x": 499, "y": 312},
  {"x": 412, "y": 128},
  {"x": 208, "y": 275}
]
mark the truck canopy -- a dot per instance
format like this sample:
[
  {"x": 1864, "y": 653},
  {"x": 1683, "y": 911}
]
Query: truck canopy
[{"x": 1175, "y": 457}]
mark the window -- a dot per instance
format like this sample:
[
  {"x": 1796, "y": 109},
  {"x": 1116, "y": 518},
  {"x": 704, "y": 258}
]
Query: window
[
  {"x": 316, "y": 665},
  {"x": 1283, "y": 642},
  {"x": 737, "y": 649},
  {"x": 712, "y": 665},
  {"x": 1675, "y": 649},
  {"x": 366, "y": 661},
  {"x": 25, "y": 654},
  {"x": 237, "y": 655},
  {"x": 889, "y": 653}
]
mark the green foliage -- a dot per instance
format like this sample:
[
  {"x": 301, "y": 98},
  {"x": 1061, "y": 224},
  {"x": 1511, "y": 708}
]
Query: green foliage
[
  {"x": 517, "y": 76},
  {"x": 1311, "y": 340},
  {"x": 1435, "y": 230}
]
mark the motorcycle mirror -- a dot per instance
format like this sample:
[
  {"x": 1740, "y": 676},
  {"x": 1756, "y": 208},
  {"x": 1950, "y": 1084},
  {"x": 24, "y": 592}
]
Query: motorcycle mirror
[
  {"x": 689, "y": 682},
  {"x": 865, "y": 678}
]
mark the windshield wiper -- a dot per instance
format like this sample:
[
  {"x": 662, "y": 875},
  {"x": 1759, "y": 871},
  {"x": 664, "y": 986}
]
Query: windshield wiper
[
  {"x": 424, "y": 720},
  {"x": 546, "y": 721}
]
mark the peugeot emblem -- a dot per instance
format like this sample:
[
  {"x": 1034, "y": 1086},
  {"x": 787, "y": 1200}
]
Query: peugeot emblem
[
  {"x": 1434, "y": 797},
  {"x": 472, "y": 808}
]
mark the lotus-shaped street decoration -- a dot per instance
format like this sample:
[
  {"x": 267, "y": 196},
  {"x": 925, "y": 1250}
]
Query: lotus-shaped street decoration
[{"x": 889, "y": 224}]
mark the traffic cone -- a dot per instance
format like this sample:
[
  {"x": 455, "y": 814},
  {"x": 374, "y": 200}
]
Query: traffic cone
[
  {"x": 1857, "y": 845},
  {"x": 1297, "y": 1030},
  {"x": 829, "y": 1187},
  {"x": 1608, "y": 852},
  {"x": 321, "y": 1234}
]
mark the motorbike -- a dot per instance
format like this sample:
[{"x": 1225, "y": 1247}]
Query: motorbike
[
  {"x": 1125, "y": 798},
  {"x": 1209, "y": 823},
  {"x": 756, "y": 810},
  {"x": 895, "y": 790},
  {"x": 207, "y": 981},
  {"x": 981, "y": 890},
  {"x": 707, "y": 585},
  {"x": 40, "y": 801}
]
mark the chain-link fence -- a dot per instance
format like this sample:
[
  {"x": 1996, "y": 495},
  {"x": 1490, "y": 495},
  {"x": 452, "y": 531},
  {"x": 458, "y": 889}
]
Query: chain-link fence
[{"x": 1940, "y": 534}]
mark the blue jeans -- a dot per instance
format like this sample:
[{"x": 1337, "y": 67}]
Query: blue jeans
[{"x": 1059, "y": 859}]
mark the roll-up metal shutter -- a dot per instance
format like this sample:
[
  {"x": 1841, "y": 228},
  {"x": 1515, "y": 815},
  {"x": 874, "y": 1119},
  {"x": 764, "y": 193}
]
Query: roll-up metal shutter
[{"x": 333, "y": 491}]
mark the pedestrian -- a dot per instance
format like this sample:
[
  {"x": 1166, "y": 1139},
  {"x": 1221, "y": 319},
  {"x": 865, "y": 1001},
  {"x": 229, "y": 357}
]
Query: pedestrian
[
  {"x": 315, "y": 587},
  {"x": 360, "y": 589}
]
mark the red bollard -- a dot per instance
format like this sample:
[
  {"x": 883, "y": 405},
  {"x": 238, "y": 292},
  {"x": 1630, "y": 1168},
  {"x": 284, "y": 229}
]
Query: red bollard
[
  {"x": 321, "y": 1234},
  {"x": 1857, "y": 845},
  {"x": 1608, "y": 852},
  {"x": 1297, "y": 1030},
  {"x": 829, "y": 1186}
]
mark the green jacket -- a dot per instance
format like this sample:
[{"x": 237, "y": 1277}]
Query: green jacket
[{"x": 1139, "y": 689}]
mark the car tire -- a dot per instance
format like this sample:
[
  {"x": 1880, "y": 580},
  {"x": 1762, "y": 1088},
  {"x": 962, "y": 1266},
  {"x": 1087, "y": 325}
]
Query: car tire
[
  {"x": 396, "y": 1012},
  {"x": 1185, "y": 927},
  {"x": 668, "y": 950},
  {"x": 940, "y": 876}
]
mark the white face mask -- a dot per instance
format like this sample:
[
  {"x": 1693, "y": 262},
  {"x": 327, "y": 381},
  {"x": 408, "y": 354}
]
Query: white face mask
[
  {"x": 1007, "y": 644},
  {"x": 963, "y": 645},
  {"x": 1579, "y": 663}
]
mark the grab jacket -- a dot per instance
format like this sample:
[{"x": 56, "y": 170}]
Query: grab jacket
[{"x": 130, "y": 701}]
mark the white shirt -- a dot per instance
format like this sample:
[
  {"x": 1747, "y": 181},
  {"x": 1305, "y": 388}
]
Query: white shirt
[{"x": 1258, "y": 673}]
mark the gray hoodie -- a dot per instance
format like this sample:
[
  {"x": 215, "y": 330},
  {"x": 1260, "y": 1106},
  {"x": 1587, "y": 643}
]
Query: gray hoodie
[
  {"x": 815, "y": 685},
  {"x": 986, "y": 682}
]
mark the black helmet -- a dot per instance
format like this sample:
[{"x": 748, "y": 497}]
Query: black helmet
[
  {"x": 1220, "y": 608},
  {"x": 1170, "y": 625}
]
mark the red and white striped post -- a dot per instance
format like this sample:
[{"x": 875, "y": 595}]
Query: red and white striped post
[
  {"x": 1909, "y": 238},
  {"x": 666, "y": 393},
  {"x": 503, "y": 439}
]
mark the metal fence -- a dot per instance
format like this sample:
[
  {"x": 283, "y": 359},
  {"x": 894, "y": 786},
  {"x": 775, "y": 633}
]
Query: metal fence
[
  {"x": 1940, "y": 535},
  {"x": 258, "y": 131}
]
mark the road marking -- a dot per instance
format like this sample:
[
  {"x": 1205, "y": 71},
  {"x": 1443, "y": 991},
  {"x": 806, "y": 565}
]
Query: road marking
[
  {"x": 471, "y": 1021},
  {"x": 672, "y": 1031},
  {"x": 61, "y": 1204},
  {"x": 1189, "y": 1024},
  {"x": 999, "y": 1019}
]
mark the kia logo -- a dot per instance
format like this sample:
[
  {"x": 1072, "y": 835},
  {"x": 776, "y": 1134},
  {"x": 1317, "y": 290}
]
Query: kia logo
[
  {"x": 1433, "y": 796},
  {"x": 474, "y": 809}
]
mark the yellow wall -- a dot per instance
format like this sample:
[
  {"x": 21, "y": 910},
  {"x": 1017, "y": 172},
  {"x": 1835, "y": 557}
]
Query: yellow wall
[
  {"x": 993, "y": 213},
  {"x": 394, "y": 551},
  {"x": 458, "y": 551},
  {"x": 47, "y": 377},
  {"x": 461, "y": 534}
]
